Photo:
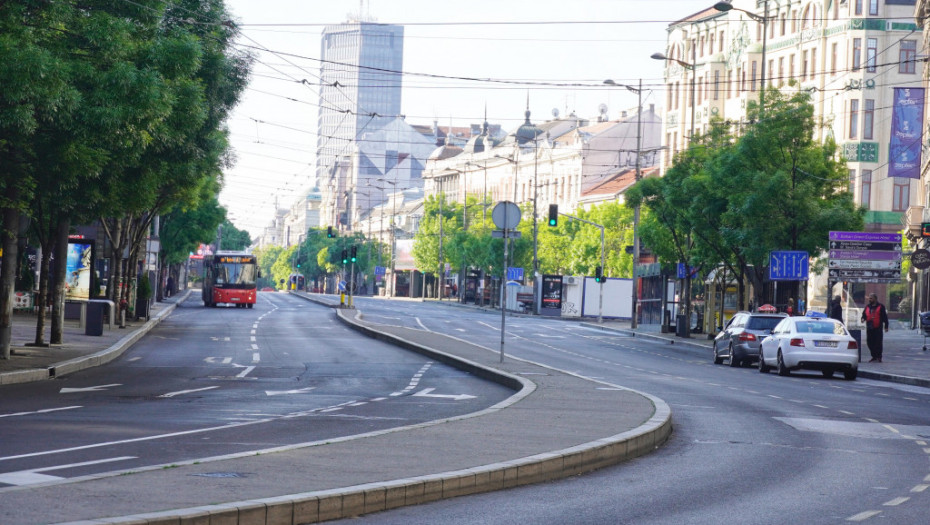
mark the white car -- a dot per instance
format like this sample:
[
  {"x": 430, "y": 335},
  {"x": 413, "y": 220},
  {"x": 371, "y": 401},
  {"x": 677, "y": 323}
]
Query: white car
[{"x": 805, "y": 343}]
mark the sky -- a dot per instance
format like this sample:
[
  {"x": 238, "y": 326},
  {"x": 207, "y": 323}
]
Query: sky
[{"x": 554, "y": 53}]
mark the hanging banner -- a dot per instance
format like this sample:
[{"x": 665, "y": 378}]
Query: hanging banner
[{"x": 906, "y": 126}]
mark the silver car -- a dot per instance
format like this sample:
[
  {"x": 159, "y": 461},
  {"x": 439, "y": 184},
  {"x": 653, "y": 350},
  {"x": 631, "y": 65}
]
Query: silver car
[{"x": 739, "y": 341}]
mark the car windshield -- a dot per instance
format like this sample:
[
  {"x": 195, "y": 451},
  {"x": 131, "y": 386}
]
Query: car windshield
[
  {"x": 763, "y": 323},
  {"x": 820, "y": 327}
]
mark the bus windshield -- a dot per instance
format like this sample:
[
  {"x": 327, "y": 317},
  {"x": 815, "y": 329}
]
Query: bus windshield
[{"x": 235, "y": 274}]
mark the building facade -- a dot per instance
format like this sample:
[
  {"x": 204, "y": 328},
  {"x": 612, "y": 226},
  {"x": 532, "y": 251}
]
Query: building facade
[
  {"x": 854, "y": 57},
  {"x": 360, "y": 90}
]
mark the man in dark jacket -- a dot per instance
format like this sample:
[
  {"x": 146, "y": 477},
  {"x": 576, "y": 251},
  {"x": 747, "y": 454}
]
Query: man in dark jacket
[
  {"x": 875, "y": 318},
  {"x": 836, "y": 309}
]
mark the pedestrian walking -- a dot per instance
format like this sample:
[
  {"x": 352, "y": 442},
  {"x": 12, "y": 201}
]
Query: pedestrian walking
[
  {"x": 875, "y": 318},
  {"x": 836, "y": 309},
  {"x": 790, "y": 309}
]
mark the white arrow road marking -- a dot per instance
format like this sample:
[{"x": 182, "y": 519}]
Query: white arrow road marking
[
  {"x": 245, "y": 372},
  {"x": 178, "y": 393},
  {"x": 44, "y": 411},
  {"x": 283, "y": 392},
  {"x": 87, "y": 389},
  {"x": 224, "y": 360},
  {"x": 31, "y": 477},
  {"x": 458, "y": 397}
]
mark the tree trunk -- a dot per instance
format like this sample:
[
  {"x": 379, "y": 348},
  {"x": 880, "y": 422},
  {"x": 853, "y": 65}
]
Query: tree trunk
[
  {"x": 42, "y": 295},
  {"x": 58, "y": 294},
  {"x": 8, "y": 239}
]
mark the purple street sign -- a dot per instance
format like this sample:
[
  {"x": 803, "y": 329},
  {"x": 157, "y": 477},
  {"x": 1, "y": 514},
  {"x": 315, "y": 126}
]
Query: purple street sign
[
  {"x": 865, "y": 236},
  {"x": 865, "y": 255}
]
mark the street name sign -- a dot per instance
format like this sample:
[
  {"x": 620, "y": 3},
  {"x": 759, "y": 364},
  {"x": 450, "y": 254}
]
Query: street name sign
[
  {"x": 514, "y": 274},
  {"x": 865, "y": 257}
]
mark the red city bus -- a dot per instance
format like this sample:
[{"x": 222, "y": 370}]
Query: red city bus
[{"x": 229, "y": 277}]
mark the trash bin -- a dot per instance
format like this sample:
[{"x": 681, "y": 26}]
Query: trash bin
[
  {"x": 93, "y": 318},
  {"x": 857, "y": 335},
  {"x": 682, "y": 329}
]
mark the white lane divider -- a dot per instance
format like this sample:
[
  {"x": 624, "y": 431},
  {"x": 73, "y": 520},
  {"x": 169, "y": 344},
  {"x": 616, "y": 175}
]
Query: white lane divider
[
  {"x": 415, "y": 380},
  {"x": 32, "y": 477},
  {"x": 43, "y": 411},
  {"x": 182, "y": 392}
]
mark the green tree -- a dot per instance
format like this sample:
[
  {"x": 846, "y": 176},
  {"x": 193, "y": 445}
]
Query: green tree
[{"x": 233, "y": 238}]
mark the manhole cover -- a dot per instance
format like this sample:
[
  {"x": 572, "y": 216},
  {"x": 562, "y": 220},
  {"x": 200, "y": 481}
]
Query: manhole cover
[{"x": 221, "y": 475}]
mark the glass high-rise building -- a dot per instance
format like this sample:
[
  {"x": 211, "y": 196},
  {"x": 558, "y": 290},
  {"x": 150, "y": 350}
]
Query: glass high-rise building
[{"x": 360, "y": 87}]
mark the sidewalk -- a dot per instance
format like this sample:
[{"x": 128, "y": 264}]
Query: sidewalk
[
  {"x": 556, "y": 425},
  {"x": 77, "y": 351}
]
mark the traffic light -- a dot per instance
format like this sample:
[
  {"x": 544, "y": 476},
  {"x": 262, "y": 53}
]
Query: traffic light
[
  {"x": 553, "y": 214},
  {"x": 298, "y": 262},
  {"x": 345, "y": 257},
  {"x": 598, "y": 275},
  {"x": 329, "y": 232},
  {"x": 354, "y": 253}
]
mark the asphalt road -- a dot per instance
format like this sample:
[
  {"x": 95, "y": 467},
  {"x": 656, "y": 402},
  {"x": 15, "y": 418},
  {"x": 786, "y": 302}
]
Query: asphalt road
[
  {"x": 210, "y": 382},
  {"x": 747, "y": 448}
]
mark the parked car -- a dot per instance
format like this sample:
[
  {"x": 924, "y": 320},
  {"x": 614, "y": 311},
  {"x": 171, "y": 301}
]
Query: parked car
[
  {"x": 804, "y": 343},
  {"x": 739, "y": 341}
]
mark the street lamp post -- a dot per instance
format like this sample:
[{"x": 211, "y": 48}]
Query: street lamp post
[
  {"x": 764, "y": 20},
  {"x": 636, "y": 209},
  {"x": 393, "y": 184},
  {"x": 688, "y": 67}
]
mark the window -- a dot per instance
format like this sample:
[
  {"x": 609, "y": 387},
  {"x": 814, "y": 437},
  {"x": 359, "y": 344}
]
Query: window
[
  {"x": 833, "y": 59},
  {"x": 804, "y": 65},
  {"x": 677, "y": 92},
  {"x": 711, "y": 46},
  {"x": 865, "y": 188},
  {"x": 902, "y": 194},
  {"x": 868, "y": 117},
  {"x": 671, "y": 88},
  {"x": 907, "y": 56},
  {"x": 857, "y": 53},
  {"x": 769, "y": 81},
  {"x": 853, "y": 119},
  {"x": 871, "y": 53},
  {"x": 873, "y": 7},
  {"x": 781, "y": 71},
  {"x": 752, "y": 82},
  {"x": 784, "y": 23},
  {"x": 729, "y": 83},
  {"x": 813, "y": 70},
  {"x": 858, "y": 7},
  {"x": 716, "y": 85},
  {"x": 852, "y": 181},
  {"x": 720, "y": 42}
]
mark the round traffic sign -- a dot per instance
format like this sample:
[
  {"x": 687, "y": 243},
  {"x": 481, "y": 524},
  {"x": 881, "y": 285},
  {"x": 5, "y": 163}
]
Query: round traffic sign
[
  {"x": 506, "y": 215},
  {"x": 920, "y": 259}
]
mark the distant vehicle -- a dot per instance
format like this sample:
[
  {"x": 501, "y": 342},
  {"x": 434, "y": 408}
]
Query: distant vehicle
[
  {"x": 229, "y": 278},
  {"x": 803, "y": 343},
  {"x": 739, "y": 341}
]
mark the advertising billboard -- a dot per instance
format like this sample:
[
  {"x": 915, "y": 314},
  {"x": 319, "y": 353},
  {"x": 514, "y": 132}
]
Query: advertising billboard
[
  {"x": 79, "y": 267},
  {"x": 906, "y": 127}
]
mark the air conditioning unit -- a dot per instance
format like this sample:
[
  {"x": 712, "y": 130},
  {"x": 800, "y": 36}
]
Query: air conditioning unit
[{"x": 570, "y": 279}]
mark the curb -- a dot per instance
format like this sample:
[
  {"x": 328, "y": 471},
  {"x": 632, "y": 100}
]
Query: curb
[
  {"x": 353, "y": 501},
  {"x": 98, "y": 358}
]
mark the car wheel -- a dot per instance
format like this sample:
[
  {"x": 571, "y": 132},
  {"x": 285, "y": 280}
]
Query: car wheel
[
  {"x": 827, "y": 373},
  {"x": 251, "y": 305},
  {"x": 717, "y": 359},
  {"x": 782, "y": 369},
  {"x": 734, "y": 362},
  {"x": 763, "y": 368},
  {"x": 850, "y": 375}
]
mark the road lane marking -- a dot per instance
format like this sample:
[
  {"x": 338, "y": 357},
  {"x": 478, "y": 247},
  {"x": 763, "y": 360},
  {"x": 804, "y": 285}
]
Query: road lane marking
[
  {"x": 862, "y": 516},
  {"x": 920, "y": 488},
  {"x": 419, "y": 322},
  {"x": 97, "y": 388},
  {"x": 895, "y": 502},
  {"x": 414, "y": 381},
  {"x": 426, "y": 392},
  {"x": 181, "y": 392},
  {"x": 256, "y": 357},
  {"x": 33, "y": 476},
  {"x": 43, "y": 411},
  {"x": 294, "y": 391},
  {"x": 254, "y": 346},
  {"x": 223, "y": 360},
  {"x": 245, "y": 372}
]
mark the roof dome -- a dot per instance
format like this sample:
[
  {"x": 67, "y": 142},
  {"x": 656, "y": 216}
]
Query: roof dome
[
  {"x": 528, "y": 131},
  {"x": 481, "y": 142},
  {"x": 444, "y": 152}
]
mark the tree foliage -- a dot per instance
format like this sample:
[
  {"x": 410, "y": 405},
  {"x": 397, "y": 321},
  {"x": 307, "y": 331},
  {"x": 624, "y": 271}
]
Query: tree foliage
[{"x": 735, "y": 196}]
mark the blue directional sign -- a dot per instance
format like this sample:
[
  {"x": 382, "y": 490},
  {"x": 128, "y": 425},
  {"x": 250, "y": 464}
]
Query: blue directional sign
[
  {"x": 682, "y": 273},
  {"x": 379, "y": 270},
  {"x": 514, "y": 274},
  {"x": 789, "y": 266}
]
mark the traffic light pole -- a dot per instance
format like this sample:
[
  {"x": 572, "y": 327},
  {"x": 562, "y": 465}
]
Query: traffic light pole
[{"x": 600, "y": 295}]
